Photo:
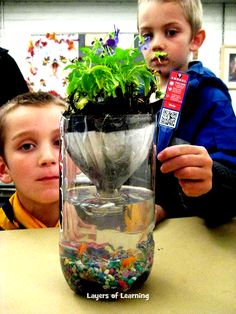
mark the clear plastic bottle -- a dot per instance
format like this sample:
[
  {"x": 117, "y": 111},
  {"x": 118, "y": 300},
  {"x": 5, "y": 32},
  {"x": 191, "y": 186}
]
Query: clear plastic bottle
[{"x": 107, "y": 202}]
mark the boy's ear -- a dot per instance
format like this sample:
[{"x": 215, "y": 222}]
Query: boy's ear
[
  {"x": 197, "y": 40},
  {"x": 4, "y": 173}
]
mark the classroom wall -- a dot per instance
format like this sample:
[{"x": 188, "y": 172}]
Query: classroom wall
[{"x": 20, "y": 19}]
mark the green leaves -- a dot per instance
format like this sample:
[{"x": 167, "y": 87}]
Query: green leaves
[
  {"x": 103, "y": 73},
  {"x": 160, "y": 55}
]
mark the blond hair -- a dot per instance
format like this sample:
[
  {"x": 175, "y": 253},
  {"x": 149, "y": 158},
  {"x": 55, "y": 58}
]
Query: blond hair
[
  {"x": 192, "y": 10},
  {"x": 35, "y": 99}
]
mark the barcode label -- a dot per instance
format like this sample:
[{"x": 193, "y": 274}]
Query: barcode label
[
  {"x": 168, "y": 118},
  {"x": 172, "y": 102}
]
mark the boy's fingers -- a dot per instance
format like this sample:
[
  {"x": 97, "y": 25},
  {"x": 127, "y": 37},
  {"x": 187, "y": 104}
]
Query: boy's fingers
[{"x": 178, "y": 150}]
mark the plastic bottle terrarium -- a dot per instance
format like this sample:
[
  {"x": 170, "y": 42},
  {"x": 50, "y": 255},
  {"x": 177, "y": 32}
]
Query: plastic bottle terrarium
[{"x": 107, "y": 171}]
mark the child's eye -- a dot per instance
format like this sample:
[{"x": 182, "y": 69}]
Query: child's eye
[
  {"x": 171, "y": 32},
  {"x": 26, "y": 147},
  {"x": 57, "y": 142},
  {"x": 147, "y": 36},
  {"x": 145, "y": 41}
]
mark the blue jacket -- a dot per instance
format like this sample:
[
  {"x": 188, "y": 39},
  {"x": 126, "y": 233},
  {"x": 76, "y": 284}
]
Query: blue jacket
[{"x": 207, "y": 119}]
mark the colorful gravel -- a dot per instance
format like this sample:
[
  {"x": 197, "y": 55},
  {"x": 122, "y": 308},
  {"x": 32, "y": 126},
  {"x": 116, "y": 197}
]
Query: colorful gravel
[{"x": 89, "y": 267}]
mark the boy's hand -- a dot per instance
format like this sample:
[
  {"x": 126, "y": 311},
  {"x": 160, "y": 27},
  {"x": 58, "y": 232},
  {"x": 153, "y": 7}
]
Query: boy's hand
[
  {"x": 160, "y": 213},
  {"x": 191, "y": 165}
]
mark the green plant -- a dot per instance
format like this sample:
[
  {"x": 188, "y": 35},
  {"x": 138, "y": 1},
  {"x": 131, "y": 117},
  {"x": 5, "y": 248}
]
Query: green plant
[{"x": 107, "y": 74}]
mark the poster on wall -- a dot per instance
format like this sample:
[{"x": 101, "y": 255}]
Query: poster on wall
[{"x": 47, "y": 57}]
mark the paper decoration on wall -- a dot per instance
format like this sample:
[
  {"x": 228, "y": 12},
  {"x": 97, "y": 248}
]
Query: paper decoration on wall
[{"x": 47, "y": 58}]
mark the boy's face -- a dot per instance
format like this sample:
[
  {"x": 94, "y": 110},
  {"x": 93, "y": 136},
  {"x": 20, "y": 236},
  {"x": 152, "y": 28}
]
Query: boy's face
[
  {"x": 169, "y": 31},
  {"x": 32, "y": 153}
]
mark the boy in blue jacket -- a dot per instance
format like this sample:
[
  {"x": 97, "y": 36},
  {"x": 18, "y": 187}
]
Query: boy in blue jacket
[{"x": 197, "y": 176}]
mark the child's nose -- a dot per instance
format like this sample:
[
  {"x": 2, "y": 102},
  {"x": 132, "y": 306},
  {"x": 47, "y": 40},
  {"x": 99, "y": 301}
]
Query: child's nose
[
  {"x": 157, "y": 43},
  {"x": 48, "y": 156}
]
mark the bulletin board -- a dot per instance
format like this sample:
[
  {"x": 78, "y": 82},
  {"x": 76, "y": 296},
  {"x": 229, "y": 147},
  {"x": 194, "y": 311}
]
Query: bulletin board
[{"x": 47, "y": 56}]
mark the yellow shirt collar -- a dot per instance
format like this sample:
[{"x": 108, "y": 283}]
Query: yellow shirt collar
[{"x": 23, "y": 216}]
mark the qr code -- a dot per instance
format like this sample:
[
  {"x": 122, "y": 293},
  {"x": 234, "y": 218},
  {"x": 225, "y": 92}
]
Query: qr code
[{"x": 169, "y": 118}]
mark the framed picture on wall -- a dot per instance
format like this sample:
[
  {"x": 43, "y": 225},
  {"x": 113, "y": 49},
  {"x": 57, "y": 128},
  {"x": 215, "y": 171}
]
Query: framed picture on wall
[{"x": 228, "y": 66}]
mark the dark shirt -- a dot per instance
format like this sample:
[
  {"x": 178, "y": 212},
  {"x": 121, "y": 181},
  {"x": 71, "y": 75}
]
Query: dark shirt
[{"x": 12, "y": 82}]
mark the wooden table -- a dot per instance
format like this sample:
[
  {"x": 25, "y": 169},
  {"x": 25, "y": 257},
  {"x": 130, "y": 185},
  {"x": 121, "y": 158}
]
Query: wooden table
[{"x": 194, "y": 272}]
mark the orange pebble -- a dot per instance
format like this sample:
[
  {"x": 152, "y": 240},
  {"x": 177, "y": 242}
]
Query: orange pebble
[
  {"x": 127, "y": 261},
  {"x": 82, "y": 248}
]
